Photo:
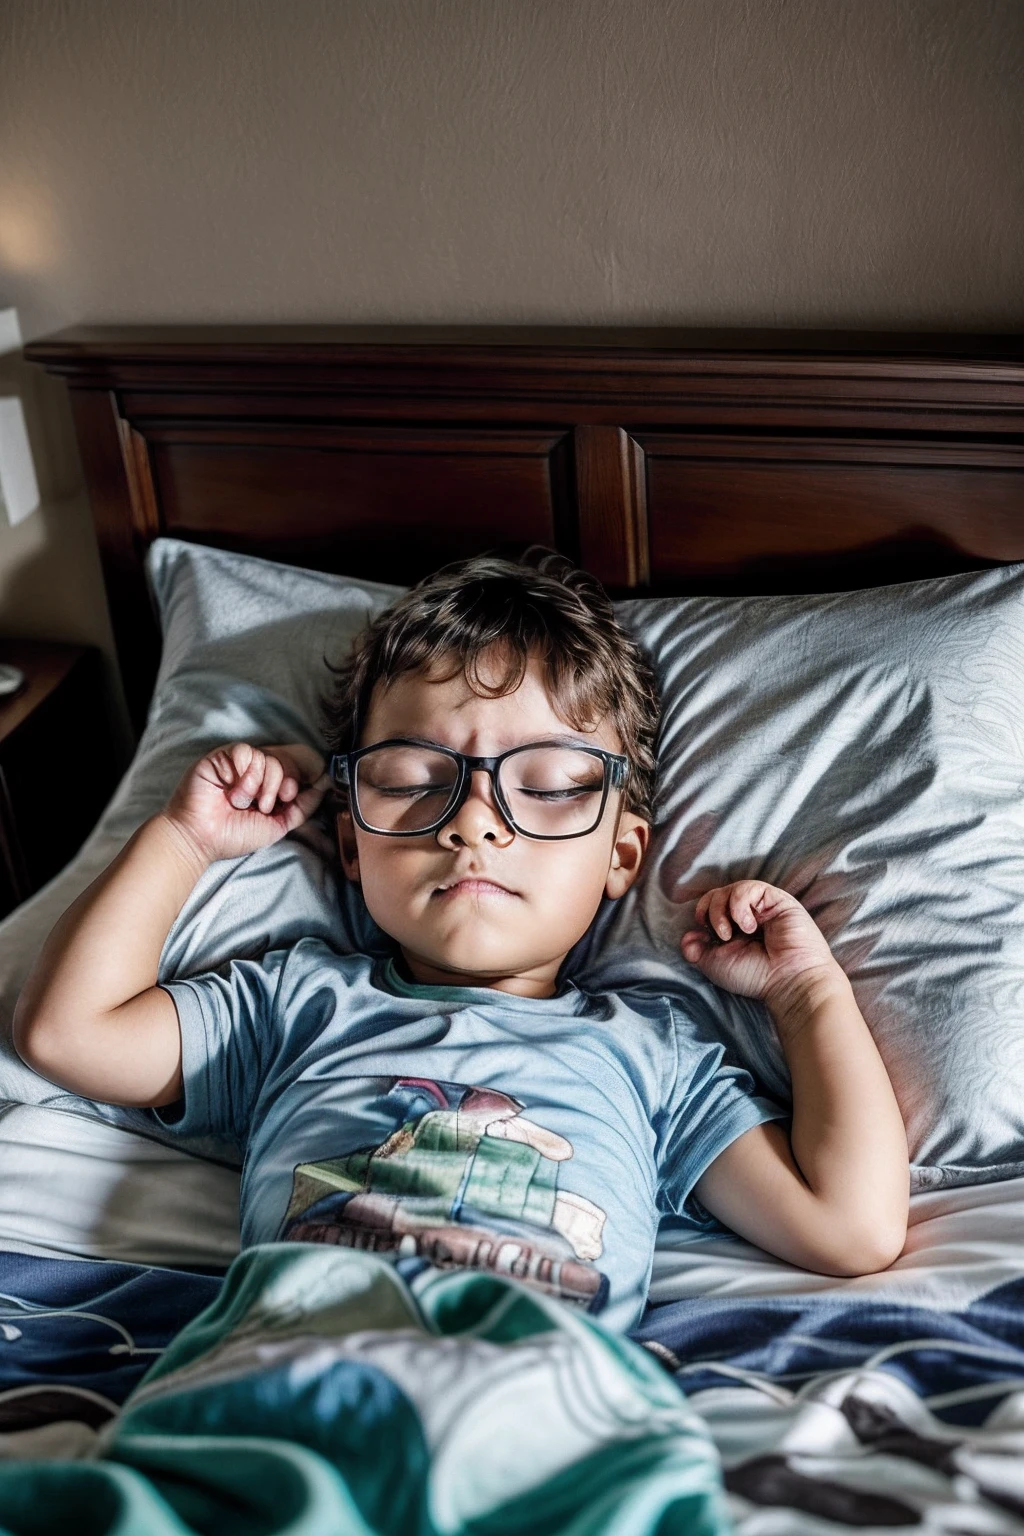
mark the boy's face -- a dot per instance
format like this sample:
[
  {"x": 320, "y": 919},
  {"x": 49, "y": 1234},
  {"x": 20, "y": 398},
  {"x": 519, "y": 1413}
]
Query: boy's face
[{"x": 477, "y": 904}]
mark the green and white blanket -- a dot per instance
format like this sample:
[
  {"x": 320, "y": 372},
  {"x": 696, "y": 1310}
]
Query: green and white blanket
[{"x": 321, "y": 1395}]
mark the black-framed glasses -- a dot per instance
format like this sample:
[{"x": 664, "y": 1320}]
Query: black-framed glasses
[{"x": 408, "y": 788}]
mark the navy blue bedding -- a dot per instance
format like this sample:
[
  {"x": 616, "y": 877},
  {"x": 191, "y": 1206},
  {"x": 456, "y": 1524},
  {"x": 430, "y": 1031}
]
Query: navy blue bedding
[
  {"x": 855, "y": 1411},
  {"x": 843, "y": 1410},
  {"x": 77, "y": 1335},
  {"x": 95, "y": 1327},
  {"x": 792, "y": 1340}
]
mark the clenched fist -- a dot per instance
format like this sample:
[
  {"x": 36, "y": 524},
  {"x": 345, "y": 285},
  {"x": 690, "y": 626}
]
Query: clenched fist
[
  {"x": 239, "y": 797},
  {"x": 758, "y": 941}
]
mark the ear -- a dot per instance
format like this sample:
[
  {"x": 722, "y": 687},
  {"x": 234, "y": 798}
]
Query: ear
[
  {"x": 631, "y": 842},
  {"x": 347, "y": 848}
]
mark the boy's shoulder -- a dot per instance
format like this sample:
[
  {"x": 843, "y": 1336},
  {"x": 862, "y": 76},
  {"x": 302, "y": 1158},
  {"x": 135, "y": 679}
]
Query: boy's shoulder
[
  {"x": 291, "y": 965},
  {"x": 653, "y": 1007},
  {"x": 670, "y": 1014}
]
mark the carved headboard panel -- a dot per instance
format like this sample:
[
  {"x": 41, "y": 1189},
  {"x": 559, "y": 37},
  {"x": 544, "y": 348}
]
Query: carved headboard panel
[{"x": 668, "y": 461}]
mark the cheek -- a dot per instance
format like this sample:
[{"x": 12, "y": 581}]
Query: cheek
[
  {"x": 388, "y": 872},
  {"x": 564, "y": 875}
]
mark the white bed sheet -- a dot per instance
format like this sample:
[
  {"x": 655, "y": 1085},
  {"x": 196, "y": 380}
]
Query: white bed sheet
[
  {"x": 961, "y": 1242},
  {"x": 72, "y": 1187},
  {"x": 76, "y": 1188}
]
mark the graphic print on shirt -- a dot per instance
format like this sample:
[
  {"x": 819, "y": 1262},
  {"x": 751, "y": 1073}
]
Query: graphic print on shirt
[{"x": 463, "y": 1182}]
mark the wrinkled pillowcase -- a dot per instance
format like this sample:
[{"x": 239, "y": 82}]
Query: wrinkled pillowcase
[
  {"x": 244, "y": 642},
  {"x": 866, "y": 752}
]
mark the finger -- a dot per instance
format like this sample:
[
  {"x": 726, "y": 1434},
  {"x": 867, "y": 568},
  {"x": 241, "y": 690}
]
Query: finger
[
  {"x": 694, "y": 944},
  {"x": 773, "y": 901},
  {"x": 240, "y": 755},
  {"x": 273, "y": 774},
  {"x": 718, "y": 916},
  {"x": 743, "y": 900},
  {"x": 217, "y": 767},
  {"x": 703, "y": 912},
  {"x": 289, "y": 797},
  {"x": 234, "y": 761},
  {"x": 249, "y": 763},
  {"x": 306, "y": 802},
  {"x": 300, "y": 762},
  {"x": 252, "y": 777}
]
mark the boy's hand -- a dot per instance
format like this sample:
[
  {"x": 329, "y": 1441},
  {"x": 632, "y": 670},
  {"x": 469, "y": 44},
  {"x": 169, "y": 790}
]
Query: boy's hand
[
  {"x": 92, "y": 1015},
  {"x": 239, "y": 798},
  {"x": 832, "y": 1195},
  {"x": 757, "y": 940}
]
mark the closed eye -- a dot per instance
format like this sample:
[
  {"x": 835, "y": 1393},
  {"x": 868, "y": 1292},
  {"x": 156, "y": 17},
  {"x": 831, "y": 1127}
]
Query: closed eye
[
  {"x": 560, "y": 794},
  {"x": 407, "y": 791}
]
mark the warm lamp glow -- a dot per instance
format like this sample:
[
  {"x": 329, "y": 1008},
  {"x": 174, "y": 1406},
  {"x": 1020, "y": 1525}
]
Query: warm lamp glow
[{"x": 23, "y": 243}]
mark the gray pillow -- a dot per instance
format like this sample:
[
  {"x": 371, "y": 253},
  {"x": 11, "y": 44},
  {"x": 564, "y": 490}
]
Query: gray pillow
[
  {"x": 244, "y": 642},
  {"x": 866, "y": 752}
]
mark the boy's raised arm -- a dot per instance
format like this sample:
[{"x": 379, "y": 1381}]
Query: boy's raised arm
[
  {"x": 91, "y": 1016},
  {"x": 833, "y": 1195}
]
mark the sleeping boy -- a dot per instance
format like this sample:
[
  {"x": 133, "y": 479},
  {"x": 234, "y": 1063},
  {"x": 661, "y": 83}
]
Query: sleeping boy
[{"x": 460, "y": 1104}]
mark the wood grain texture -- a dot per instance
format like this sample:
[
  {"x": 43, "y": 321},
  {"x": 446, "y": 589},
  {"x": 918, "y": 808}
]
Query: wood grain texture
[
  {"x": 667, "y": 461},
  {"x": 124, "y": 530},
  {"x": 612, "y": 506},
  {"x": 361, "y": 499},
  {"x": 812, "y": 514}
]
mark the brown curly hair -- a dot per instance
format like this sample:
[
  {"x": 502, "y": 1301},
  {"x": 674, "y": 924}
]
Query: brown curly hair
[{"x": 541, "y": 604}]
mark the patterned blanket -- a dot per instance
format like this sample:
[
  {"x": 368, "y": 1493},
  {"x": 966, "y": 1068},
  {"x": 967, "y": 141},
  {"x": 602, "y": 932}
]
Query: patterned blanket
[
  {"x": 832, "y": 1413},
  {"x": 321, "y": 1395}
]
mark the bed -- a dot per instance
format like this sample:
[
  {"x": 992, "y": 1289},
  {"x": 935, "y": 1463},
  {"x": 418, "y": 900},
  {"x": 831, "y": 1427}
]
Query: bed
[{"x": 677, "y": 466}]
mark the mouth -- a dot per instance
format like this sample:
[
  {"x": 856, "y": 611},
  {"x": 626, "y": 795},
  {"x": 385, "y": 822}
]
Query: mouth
[{"x": 472, "y": 886}]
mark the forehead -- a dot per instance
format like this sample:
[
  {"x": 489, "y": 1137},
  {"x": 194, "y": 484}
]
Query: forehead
[{"x": 448, "y": 710}]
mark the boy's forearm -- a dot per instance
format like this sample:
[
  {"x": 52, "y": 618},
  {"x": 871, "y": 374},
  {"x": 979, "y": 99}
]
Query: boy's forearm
[
  {"x": 847, "y": 1135},
  {"x": 106, "y": 947}
]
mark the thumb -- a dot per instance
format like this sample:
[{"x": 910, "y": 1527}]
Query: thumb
[
  {"x": 306, "y": 801},
  {"x": 695, "y": 945}
]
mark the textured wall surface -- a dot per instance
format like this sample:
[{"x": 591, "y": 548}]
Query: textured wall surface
[{"x": 789, "y": 162}]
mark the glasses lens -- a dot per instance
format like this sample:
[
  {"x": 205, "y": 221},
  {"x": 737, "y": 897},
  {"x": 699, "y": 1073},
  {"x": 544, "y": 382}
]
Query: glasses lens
[
  {"x": 404, "y": 788},
  {"x": 553, "y": 791}
]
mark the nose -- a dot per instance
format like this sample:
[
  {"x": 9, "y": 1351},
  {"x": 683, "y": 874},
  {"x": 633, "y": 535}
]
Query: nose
[{"x": 477, "y": 820}]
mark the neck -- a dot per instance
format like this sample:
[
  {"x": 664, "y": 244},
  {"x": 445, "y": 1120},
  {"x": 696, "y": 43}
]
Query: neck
[{"x": 537, "y": 982}]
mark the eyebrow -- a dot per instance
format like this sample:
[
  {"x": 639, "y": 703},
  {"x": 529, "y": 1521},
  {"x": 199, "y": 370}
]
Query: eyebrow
[{"x": 551, "y": 740}]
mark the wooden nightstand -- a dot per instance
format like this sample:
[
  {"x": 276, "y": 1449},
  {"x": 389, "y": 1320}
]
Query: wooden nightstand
[{"x": 57, "y": 762}]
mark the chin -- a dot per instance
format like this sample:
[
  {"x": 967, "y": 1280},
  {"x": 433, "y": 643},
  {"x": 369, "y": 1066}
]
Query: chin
[
  {"x": 480, "y": 963},
  {"x": 477, "y": 959}
]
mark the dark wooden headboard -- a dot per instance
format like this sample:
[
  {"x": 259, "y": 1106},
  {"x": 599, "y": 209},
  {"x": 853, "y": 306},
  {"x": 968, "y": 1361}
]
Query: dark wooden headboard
[{"x": 664, "y": 461}]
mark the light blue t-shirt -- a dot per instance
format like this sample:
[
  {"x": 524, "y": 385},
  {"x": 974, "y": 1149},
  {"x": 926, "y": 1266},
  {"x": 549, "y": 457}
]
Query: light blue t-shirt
[{"x": 458, "y": 1126}]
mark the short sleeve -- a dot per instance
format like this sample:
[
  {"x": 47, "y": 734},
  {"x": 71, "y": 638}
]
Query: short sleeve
[
  {"x": 227, "y": 1021},
  {"x": 710, "y": 1104}
]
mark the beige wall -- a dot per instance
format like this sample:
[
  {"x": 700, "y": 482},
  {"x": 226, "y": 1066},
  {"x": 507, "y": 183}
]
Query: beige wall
[{"x": 778, "y": 162}]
